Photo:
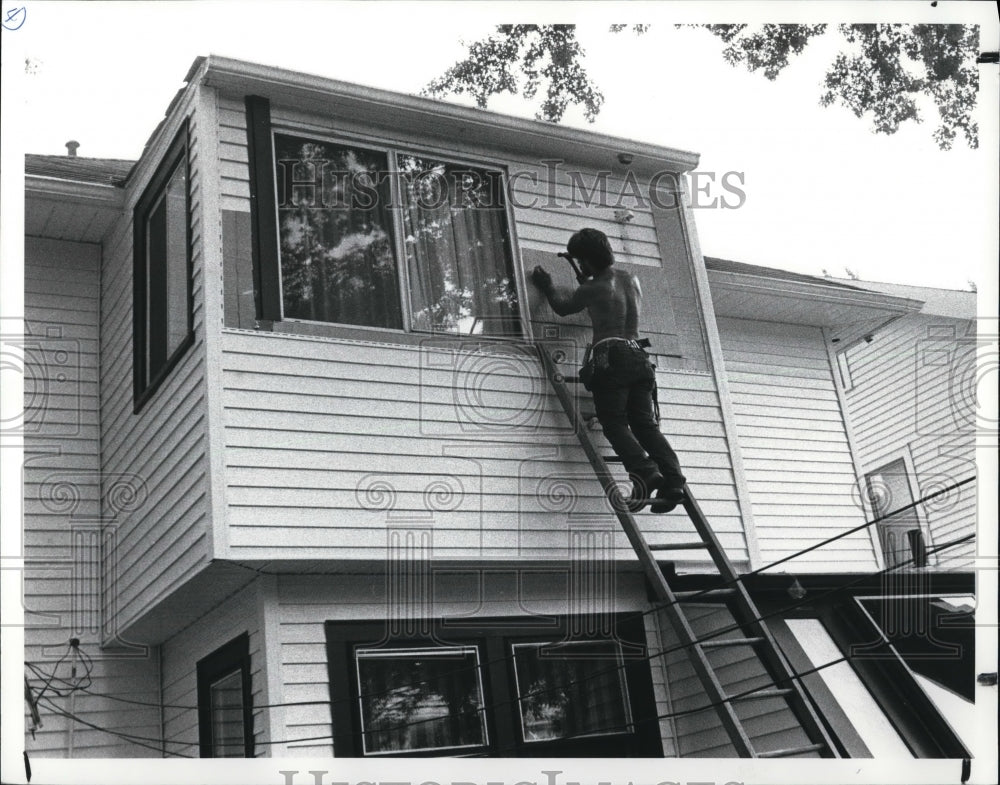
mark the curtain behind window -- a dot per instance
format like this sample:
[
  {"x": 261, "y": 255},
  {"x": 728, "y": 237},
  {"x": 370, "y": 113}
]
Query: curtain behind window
[{"x": 457, "y": 249}]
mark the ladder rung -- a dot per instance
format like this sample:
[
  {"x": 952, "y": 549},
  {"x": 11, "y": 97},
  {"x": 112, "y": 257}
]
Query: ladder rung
[
  {"x": 612, "y": 459},
  {"x": 717, "y": 644},
  {"x": 704, "y": 594},
  {"x": 791, "y": 751},
  {"x": 680, "y": 546},
  {"x": 569, "y": 378},
  {"x": 760, "y": 694}
]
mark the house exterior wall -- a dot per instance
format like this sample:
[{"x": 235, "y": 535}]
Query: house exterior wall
[
  {"x": 912, "y": 397},
  {"x": 305, "y": 604},
  {"x": 63, "y": 519},
  {"x": 333, "y": 437},
  {"x": 242, "y": 612},
  {"x": 795, "y": 450},
  {"x": 162, "y": 536}
]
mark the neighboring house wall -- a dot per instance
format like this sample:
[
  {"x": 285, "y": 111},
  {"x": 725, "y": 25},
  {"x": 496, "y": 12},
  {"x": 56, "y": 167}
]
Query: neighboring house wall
[
  {"x": 63, "y": 523},
  {"x": 161, "y": 534},
  {"x": 912, "y": 397},
  {"x": 794, "y": 445}
]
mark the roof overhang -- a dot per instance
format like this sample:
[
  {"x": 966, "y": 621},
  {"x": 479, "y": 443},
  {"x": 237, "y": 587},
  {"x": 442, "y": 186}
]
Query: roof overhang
[
  {"x": 61, "y": 209},
  {"x": 448, "y": 122},
  {"x": 848, "y": 314}
]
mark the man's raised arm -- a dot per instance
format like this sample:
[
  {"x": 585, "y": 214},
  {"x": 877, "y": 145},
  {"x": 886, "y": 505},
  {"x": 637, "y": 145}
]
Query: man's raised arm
[{"x": 562, "y": 300}]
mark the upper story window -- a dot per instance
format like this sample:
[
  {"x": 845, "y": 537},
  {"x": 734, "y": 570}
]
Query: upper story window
[
  {"x": 163, "y": 324},
  {"x": 383, "y": 239}
]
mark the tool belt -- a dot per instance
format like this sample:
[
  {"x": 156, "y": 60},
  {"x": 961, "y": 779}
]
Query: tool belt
[{"x": 616, "y": 362}]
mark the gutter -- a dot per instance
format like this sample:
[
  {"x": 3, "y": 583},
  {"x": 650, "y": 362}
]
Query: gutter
[
  {"x": 757, "y": 284},
  {"x": 282, "y": 85},
  {"x": 74, "y": 190}
]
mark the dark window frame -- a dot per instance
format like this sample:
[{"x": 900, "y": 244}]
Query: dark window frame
[
  {"x": 177, "y": 155},
  {"x": 494, "y": 637},
  {"x": 227, "y": 659},
  {"x": 265, "y": 230}
]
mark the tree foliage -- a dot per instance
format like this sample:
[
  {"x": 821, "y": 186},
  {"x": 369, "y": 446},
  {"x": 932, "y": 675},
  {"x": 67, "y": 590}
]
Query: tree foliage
[{"x": 883, "y": 69}]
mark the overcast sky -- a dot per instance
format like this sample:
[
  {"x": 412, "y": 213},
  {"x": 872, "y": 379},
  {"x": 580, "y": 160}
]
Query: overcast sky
[{"x": 822, "y": 190}]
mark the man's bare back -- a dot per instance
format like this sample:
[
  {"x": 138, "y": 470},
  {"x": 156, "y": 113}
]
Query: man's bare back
[{"x": 612, "y": 298}]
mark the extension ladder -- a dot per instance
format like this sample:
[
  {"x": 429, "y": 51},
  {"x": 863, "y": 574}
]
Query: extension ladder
[{"x": 734, "y": 594}]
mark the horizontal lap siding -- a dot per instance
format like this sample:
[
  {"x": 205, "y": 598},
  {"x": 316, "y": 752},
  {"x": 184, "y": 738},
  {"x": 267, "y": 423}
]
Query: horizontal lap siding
[
  {"x": 161, "y": 537},
  {"x": 795, "y": 451},
  {"x": 902, "y": 399},
  {"x": 306, "y": 603},
  {"x": 62, "y": 513},
  {"x": 232, "y": 617},
  {"x": 769, "y": 723},
  {"x": 337, "y": 441}
]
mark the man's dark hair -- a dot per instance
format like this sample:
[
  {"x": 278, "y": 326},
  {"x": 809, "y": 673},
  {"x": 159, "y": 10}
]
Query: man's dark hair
[{"x": 593, "y": 246}]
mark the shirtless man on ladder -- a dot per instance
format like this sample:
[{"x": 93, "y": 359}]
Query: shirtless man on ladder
[{"x": 616, "y": 369}]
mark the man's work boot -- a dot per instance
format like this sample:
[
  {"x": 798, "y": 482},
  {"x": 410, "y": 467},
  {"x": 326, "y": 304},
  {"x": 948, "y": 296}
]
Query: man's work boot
[
  {"x": 644, "y": 484},
  {"x": 667, "y": 498}
]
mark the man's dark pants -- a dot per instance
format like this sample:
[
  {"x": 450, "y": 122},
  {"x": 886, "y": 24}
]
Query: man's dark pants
[{"x": 625, "y": 409}]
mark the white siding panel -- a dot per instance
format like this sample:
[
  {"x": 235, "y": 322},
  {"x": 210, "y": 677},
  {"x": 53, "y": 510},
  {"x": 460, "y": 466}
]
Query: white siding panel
[
  {"x": 770, "y": 723},
  {"x": 794, "y": 445},
  {"x": 234, "y": 616},
  {"x": 315, "y": 428},
  {"x": 160, "y": 536},
  {"x": 62, "y": 516}
]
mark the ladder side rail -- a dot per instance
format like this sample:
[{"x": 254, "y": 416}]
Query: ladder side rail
[
  {"x": 753, "y": 625},
  {"x": 661, "y": 589}
]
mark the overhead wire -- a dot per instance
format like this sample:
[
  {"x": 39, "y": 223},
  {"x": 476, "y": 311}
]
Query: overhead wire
[
  {"x": 680, "y": 647},
  {"x": 638, "y": 614}
]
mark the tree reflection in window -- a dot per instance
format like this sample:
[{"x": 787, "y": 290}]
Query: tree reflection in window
[
  {"x": 338, "y": 262},
  {"x": 457, "y": 249},
  {"x": 571, "y": 689},
  {"x": 420, "y": 699}
]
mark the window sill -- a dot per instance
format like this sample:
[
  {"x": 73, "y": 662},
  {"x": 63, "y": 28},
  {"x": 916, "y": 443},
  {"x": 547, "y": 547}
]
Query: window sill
[{"x": 368, "y": 335}]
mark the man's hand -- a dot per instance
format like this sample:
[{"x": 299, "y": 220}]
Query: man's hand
[{"x": 541, "y": 279}]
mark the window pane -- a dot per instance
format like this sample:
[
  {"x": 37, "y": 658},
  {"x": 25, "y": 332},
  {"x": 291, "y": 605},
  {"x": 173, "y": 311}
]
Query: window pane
[
  {"x": 420, "y": 699},
  {"x": 338, "y": 263},
  {"x": 889, "y": 490},
  {"x": 176, "y": 260},
  {"x": 226, "y": 697},
  {"x": 574, "y": 689},
  {"x": 167, "y": 311},
  {"x": 457, "y": 249}
]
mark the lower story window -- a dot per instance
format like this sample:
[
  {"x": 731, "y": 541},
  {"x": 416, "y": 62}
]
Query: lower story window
[
  {"x": 420, "y": 699},
  {"x": 490, "y": 690},
  {"x": 225, "y": 718}
]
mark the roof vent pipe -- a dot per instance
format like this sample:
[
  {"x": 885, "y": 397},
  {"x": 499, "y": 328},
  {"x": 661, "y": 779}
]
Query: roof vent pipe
[{"x": 71, "y": 146}]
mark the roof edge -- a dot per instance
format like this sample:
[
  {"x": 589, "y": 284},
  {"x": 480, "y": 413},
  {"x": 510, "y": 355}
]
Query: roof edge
[{"x": 218, "y": 70}]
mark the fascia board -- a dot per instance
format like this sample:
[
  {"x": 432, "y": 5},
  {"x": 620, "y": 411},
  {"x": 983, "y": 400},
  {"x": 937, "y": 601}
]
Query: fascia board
[{"x": 249, "y": 78}]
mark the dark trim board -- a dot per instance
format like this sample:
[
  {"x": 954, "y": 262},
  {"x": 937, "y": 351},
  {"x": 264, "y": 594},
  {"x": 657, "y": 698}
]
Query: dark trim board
[
  {"x": 178, "y": 154},
  {"x": 227, "y": 659},
  {"x": 263, "y": 210}
]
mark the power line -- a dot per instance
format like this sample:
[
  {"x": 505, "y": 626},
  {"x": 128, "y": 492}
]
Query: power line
[
  {"x": 619, "y": 667},
  {"x": 637, "y": 614}
]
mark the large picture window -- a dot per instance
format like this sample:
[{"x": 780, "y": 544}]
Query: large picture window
[
  {"x": 163, "y": 299},
  {"x": 385, "y": 239},
  {"x": 490, "y": 690}
]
